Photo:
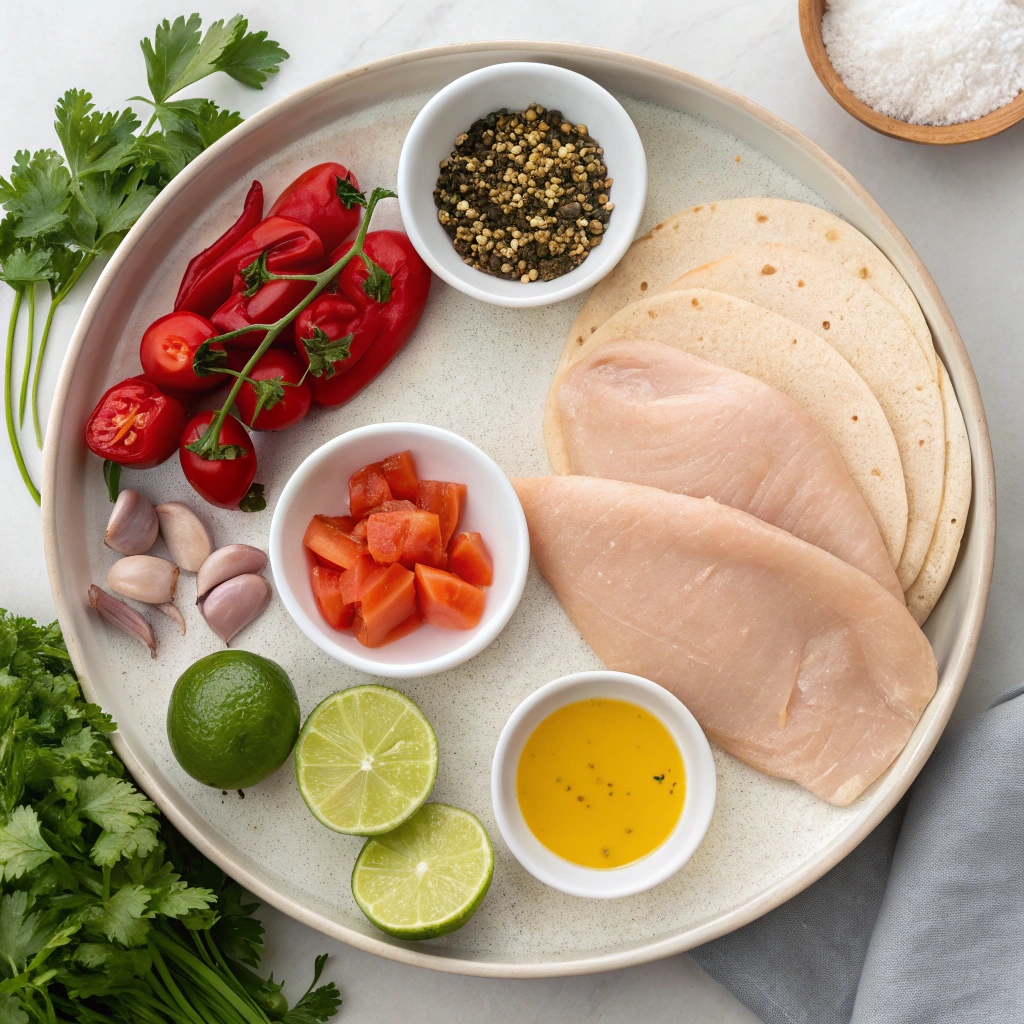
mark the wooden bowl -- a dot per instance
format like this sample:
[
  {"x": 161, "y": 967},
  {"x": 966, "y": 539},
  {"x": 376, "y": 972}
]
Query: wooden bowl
[{"x": 997, "y": 121}]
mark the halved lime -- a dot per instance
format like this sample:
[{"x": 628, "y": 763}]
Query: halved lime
[
  {"x": 428, "y": 876},
  {"x": 365, "y": 760}
]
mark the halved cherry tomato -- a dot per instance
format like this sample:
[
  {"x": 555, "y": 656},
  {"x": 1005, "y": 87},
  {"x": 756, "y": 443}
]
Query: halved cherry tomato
[
  {"x": 389, "y": 601},
  {"x": 367, "y": 488},
  {"x": 446, "y": 500},
  {"x": 406, "y": 537},
  {"x": 313, "y": 199},
  {"x": 469, "y": 558},
  {"x": 327, "y": 594},
  {"x": 447, "y": 601},
  {"x": 331, "y": 544},
  {"x": 135, "y": 424},
  {"x": 168, "y": 347},
  {"x": 222, "y": 482},
  {"x": 400, "y": 471},
  {"x": 297, "y": 397}
]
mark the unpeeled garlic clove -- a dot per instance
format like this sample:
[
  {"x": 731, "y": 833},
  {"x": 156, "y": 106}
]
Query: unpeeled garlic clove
[
  {"x": 186, "y": 537},
  {"x": 226, "y": 563},
  {"x": 144, "y": 578},
  {"x": 174, "y": 614},
  {"x": 122, "y": 616},
  {"x": 233, "y": 604},
  {"x": 133, "y": 525}
]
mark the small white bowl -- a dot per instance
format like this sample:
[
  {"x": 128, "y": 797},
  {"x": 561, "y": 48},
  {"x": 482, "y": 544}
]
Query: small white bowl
[
  {"x": 515, "y": 85},
  {"x": 320, "y": 485},
  {"x": 662, "y": 862}
]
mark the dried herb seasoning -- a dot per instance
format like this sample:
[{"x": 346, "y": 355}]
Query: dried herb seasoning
[{"x": 525, "y": 195}]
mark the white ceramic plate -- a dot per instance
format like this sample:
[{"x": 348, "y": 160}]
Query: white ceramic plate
[{"x": 482, "y": 371}]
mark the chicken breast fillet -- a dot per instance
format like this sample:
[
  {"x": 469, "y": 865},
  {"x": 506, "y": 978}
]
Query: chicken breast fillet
[
  {"x": 651, "y": 414},
  {"x": 791, "y": 660}
]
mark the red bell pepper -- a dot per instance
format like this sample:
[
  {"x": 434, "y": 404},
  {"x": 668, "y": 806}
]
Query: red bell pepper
[
  {"x": 291, "y": 248},
  {"x": 273, "y": 300},
  {"x": 252, "y": 214},
  {"x": 380, "y": 329},
  {"x": 313, "y": 199}
]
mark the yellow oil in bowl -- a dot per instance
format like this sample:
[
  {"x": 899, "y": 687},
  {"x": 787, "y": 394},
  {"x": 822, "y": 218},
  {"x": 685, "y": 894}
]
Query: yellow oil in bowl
[{"x": 601, "y": 783}]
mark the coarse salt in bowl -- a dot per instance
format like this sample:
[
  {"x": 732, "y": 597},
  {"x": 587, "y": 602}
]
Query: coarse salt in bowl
[
  {"x": 515, "y": 85},
  {"x": 492, "y": 509}
]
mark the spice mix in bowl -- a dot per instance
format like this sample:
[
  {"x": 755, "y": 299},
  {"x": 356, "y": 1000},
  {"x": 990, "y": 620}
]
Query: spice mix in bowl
[{"x": 505, "y": 183}]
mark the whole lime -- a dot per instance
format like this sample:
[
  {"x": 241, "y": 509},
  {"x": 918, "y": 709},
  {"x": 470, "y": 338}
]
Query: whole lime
[{"x": 232, "y": 719}]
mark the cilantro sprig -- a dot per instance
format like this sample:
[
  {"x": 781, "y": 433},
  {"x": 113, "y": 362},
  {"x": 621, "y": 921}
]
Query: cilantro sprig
[
  {"x": 106, "y": 914},
  {"x": 63, "y": 210}
]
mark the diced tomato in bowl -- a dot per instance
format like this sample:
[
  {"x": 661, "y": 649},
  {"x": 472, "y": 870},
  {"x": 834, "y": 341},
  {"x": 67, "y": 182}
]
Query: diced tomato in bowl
[{"x": 371, "y": 523}]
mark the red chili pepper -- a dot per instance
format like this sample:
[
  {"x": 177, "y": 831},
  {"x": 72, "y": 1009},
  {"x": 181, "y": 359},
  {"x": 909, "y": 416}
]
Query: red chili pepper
[
  {"x": 135, "y": 424},
  {"x": 291, "y": 248},
  {"x": 388, "y": 325},
  {"x": 312, "y": 199},
  {"x": 252, "y": 214},
  {"x": 336, "y": 317},
  {"x": 270, "y": 303}
]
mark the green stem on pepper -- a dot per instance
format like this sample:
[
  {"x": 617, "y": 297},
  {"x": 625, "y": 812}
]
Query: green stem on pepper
[
  {"x": 12, "y": 432},
  {"x": 208, "y": 446}
]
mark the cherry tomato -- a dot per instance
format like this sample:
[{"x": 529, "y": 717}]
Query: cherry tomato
[
  {"x": 222, "y": 482},
  {"x": 291, "y": 408},
  {"x": 168, "y": 348},
  {"x": 135, "y": 424}
]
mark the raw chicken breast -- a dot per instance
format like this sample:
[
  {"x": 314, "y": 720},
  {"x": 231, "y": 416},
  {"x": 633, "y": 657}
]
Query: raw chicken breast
[
  {"x": 651, "y": 414},
  {"x": 790, "y": 659}
]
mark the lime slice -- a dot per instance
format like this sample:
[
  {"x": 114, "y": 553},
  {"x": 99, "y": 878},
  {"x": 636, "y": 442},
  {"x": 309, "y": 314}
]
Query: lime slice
[
  {"x": 428, "y": 876},
  {"x": 365, "y": 760}
]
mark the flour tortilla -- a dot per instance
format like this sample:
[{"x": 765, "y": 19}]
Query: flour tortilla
[
  {"x": 874, "y": 339},
  {"x": 714, "y": 230},
  {"x": 730, "y": 332},
  {"x": 956, "y": 502}
]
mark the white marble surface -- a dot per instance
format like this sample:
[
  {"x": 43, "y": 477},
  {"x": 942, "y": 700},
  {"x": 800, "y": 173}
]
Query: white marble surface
[{"x": 961, "y": 208}]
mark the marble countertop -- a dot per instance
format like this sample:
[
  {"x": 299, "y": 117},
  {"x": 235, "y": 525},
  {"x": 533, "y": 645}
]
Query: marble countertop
[{"x": 962, "y": 209}]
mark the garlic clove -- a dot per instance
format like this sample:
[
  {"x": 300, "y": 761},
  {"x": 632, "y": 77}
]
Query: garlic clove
[
  {"x": 144, "y": 578},
  {"x": 174, "y": 614},
  {"x": 227, "y": 562},
  {"x": 186, "y": 537},
  {"x": 122, "y": 616},
  {"x": 133, "y": 524},
  {"x": 233, "y": 604}
]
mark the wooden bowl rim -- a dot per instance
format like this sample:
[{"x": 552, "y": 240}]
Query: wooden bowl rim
[{"x": 994, "y": 122}]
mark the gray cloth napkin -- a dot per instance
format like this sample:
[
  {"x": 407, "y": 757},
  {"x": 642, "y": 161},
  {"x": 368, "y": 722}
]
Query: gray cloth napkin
[{"x": 924, "y": 922}]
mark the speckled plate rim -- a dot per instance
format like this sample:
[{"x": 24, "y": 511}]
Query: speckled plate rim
[{"x": 801, "y": 157}]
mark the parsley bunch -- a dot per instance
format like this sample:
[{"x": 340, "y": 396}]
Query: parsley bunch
[
  {"x": 63, "y": 210},
  {"x": 97, "y": 925}
]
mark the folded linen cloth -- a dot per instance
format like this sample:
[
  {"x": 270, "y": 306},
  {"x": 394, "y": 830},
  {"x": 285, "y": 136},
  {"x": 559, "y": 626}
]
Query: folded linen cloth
[{"x": 924, "y": 922}]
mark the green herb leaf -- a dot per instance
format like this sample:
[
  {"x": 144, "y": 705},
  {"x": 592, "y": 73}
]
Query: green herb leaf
[
  {"x": 112, "y": 478},
  {"x": 253, "y": 500},
  {"x": 318, "y": 1004},
  {"x": 378, "y": 284},
  {"x": 324, "y": 353},
  {"x": 22, "y": 846},
  {"x": 37, "y": 194},
  {"x": 122, "y": 918},
  {"x": 180, "y": 54},
  {"x": 22, "y": 933},
  {"x": 22, "y": 267},
  {"x": 251, "y": 58},
  {"x": 93, "y": 142},
  {"x": 113, "y": 804}
]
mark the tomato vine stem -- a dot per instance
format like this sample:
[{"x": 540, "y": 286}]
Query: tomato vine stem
[{"x": 208, "y": 444}]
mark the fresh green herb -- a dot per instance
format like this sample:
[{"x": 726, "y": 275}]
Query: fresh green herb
[
  {"x": 106, "y": 914},
  {"x": 112, "y": 478},
  {"x": 324, "y": 353},
  {"x": 64, "y": 211},
  {"x": 253, "y": 500},
  {"x": 659, "y": 778}
]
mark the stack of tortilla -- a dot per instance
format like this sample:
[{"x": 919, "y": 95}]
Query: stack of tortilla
[{"x": 797, "y": 298}]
